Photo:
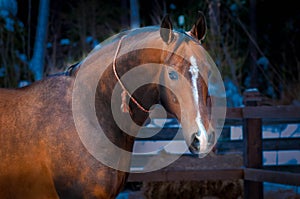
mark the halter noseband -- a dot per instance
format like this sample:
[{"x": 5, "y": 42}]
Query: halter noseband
[{"x": 124, "y": 106}]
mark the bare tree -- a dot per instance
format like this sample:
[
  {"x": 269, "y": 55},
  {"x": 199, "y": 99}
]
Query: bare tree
[
  {"x": 36, "y": 64},
  {"x": 252, "y": 48},
  {"x": 134, "y": 14}
]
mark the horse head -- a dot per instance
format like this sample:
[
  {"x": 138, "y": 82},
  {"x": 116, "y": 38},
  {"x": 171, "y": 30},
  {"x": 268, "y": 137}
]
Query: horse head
[
  {"x": 188, "y": 76},
  {"x": 147, "y": 66}
]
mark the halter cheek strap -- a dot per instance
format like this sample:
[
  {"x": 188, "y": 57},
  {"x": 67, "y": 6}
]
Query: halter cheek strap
[{"x": 124, "y": 106}]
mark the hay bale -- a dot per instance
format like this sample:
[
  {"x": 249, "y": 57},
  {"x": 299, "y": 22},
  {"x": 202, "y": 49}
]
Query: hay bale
[
  {"x": 229, "y": 189},
  {"x": 214, "y": 189}
]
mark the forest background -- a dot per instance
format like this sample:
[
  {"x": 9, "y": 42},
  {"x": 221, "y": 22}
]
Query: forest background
[{"x": 255, "y": 43}]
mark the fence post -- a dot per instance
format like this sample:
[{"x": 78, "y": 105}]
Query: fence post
[{"x": 252, "y": 137}]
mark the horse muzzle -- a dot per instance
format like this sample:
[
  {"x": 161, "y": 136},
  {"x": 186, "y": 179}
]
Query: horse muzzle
[{"x": 201, "y": 144}]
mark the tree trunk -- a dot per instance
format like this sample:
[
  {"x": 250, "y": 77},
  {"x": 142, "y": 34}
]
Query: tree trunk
[
  {"x": 252, "y": 48},
  {"x": 214, "y": 19},
  {"x": 37, "y": 61},
  {"x": 134, "y": 14}
]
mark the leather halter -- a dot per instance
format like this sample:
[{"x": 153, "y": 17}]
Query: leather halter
[{"x": 124, "y": 106}]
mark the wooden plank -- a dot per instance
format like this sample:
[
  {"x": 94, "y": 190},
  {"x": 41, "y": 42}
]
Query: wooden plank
[
  {"x": 281, "y": 144},
  {"x": 168, "y": 134},
  {"x": 187, "y": 175},
  {"x": 162, "y": 134},
  {"x": 234, "y": 145},
  {"x": 270, "y": 115},
  {"x": 234, "y": 113},
  {"x": 252, "y": 137},
  {"x": 283, "y": 168},
  {"x": 274, "y": 121},
  {"x": 189, "y": 162},
  {"x": 260, "y": 175},
  {"x": 268, "y": 144},
  {"x": 274, "y": 112},
  {"x": 252, "y": 134}
]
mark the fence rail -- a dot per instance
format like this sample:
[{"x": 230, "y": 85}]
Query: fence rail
[{"x": 251, "y": 117}]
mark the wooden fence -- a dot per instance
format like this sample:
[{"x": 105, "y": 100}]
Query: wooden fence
[{"x": 253, "y": 172}]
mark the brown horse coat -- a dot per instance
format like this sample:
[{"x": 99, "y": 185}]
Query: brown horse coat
[
  {"x": 40, "y": 146},
  {"x": 41, "y": 153}
]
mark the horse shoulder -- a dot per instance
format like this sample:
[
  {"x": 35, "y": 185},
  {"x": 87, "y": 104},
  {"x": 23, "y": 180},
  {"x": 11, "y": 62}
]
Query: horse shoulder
[{"x": 26, "y": 130}]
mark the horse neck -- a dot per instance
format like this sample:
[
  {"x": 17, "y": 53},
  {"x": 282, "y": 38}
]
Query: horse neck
[{"x": 146, "y": 95}]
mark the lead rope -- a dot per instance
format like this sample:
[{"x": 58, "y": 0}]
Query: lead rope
[{"x": 124, "y": 106}]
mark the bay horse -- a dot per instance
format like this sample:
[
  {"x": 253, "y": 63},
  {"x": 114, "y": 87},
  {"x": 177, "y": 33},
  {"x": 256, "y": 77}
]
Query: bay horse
[{"x": 43, "y": 149}]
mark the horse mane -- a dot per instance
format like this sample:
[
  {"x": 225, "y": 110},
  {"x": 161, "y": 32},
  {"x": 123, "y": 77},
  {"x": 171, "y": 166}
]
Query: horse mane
[
  {"x": 71, "y": 70},
  {"x": 131, "y": 32}
]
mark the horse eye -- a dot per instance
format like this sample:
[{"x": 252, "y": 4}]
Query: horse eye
[{"x": 173, "y": 75}]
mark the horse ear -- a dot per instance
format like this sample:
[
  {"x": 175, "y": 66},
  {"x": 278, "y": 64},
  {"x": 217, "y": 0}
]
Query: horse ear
[
  {"x": 166, "y": 29},
  {"x": 198, "y": 30}
]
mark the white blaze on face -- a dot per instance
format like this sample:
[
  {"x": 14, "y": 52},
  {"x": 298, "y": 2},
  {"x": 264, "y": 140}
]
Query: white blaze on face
[{"x": 201, "y": 134}]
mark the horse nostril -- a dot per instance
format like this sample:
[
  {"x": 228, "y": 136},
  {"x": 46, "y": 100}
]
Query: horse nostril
[
  {"x": 202, "y": 147},
  {"x": 195, "y": 142},
  {"x": 211, "y": 137}
]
